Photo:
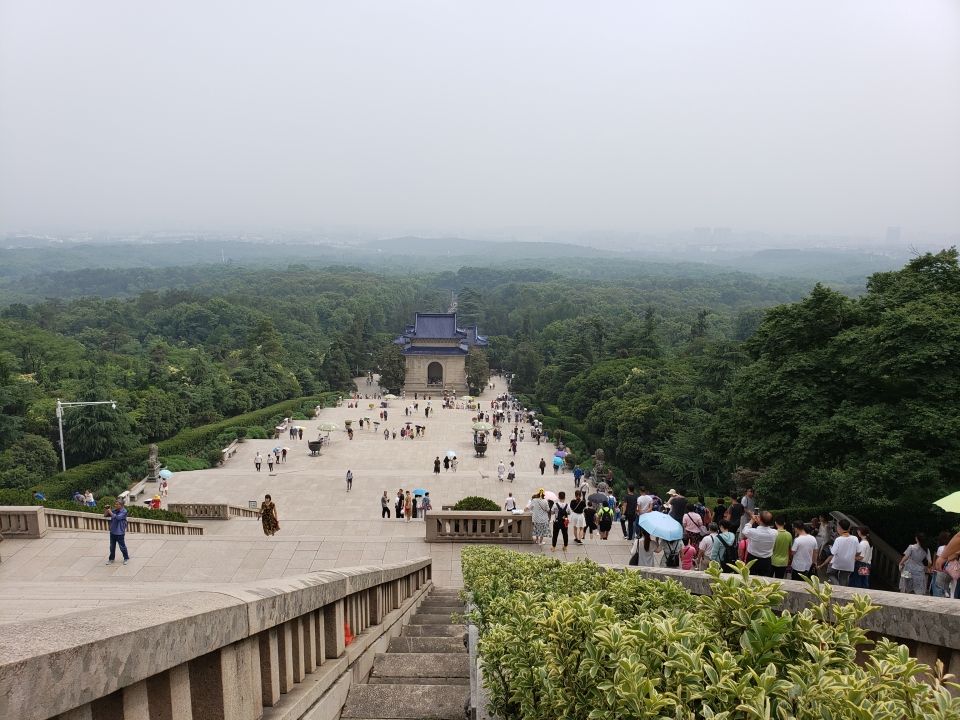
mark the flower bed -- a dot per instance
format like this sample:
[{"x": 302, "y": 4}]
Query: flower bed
[{"x": 577, "y": 641}]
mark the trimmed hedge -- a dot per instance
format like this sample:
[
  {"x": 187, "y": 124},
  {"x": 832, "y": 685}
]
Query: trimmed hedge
[
  {"x": 475, "y": 503},
  {"x": 196, "y": 442}
]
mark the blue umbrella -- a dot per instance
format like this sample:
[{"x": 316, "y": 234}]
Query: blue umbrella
[
  {"x": 419, "y": 491},
  {"x": 165, "y": 474},
  {"x": 661, "y": 525},
  {"x": 557, "y": 460}
]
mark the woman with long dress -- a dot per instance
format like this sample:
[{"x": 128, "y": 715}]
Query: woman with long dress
[
  {"x": 913, "y": 567},
  {"x": 268, "y": 516},
  {"x": 407, "y": 506}
]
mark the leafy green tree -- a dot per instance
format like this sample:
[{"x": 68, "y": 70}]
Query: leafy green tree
[
  {"x": 335, "y": 369},
  {"x": 469, "y": 307},
  {"x": 392, "y": 367},
  {"x": 97, "y": 432},
  {"x": 526, "y": 366},
  {"x": 478, "y": 369}
]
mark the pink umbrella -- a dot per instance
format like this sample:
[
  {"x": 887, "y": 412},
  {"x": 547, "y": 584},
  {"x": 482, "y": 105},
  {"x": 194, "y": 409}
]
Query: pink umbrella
[{"x": 550, "y": 495}]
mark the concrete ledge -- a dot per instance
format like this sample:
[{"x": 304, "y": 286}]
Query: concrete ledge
[
  {"x": 52, "y": 666},
  {"x": 920, "y": 618}
]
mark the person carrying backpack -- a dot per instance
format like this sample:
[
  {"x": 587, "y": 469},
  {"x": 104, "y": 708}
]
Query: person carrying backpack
[
  {"x": 724, "y": 550},
  {"x": 561, "y": 519},
  {"x": 604, "y": 520}
]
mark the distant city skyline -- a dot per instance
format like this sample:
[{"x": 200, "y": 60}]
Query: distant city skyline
[{"x": 553, "y": 117}]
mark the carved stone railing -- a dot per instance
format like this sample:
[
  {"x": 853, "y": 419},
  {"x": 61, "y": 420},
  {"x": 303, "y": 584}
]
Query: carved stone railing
[
  {"x": 34, "y": 521},
  {"x": 212, "y": 511},
  {"x": 928, "y": 626},
  {"x": 478, "y": 526},
  {"x": 293, "y": 644}
]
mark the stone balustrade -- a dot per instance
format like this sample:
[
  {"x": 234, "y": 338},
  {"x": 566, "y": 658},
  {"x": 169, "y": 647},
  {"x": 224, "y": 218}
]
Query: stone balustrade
[
  {"x": 478, "y": 526},
  {"x": 294, "y": 645},
  {"x": 928, "y": 626},
  {"x": 34, "y": 521},
  {"x": 212, "y": 511}
]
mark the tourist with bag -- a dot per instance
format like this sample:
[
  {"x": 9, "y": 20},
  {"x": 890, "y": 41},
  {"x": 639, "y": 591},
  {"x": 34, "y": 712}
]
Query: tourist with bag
[
  {"x": 913, "y": 567},
  {"x": 561, "y": 519},
  {"x": 724, "y": 550},
  {"x": 864, "y": 559},
  {"x": 644, "y": 550}
]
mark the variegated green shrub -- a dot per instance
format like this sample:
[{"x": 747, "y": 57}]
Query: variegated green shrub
[{"x": 576, "y": 641}]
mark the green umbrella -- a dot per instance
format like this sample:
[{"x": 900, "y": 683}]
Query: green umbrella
[
  {"x": 482, "y": 427},
  {"x": 327, "y": 427},
  {"x": 950, "y": 503}
]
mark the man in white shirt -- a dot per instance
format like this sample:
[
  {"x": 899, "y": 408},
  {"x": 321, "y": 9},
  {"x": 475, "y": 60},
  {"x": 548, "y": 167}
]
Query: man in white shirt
[
  {"x": 842, "y": 555},
  {"x": 749, "y": 506},
  {"x": 804, "y": 549},
  {"x": 706, "y": 546},
  {"x": 510, "y": 504},
  {"x": 760, "y": 539}
]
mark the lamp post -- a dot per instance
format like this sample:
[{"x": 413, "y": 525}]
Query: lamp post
[{"x": 60, "y": 406}]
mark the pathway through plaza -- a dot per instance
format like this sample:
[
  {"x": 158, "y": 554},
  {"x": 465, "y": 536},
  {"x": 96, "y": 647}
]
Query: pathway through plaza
[{"x": 322, "y": 525}]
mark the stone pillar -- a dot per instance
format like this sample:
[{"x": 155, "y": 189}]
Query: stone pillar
[
  {"x": 169, "y": 694},
  {"x": 285, "y": 649},
  {"x": 376, "y": 605},
  {"x": 309, "y": 624},
  {"x": 333, "y": 617},
  {"x": 136, "y": 705},
  {"x": 269, "y": 646},
  {"x": 298, "y": 652},
  {"x": 321, "y": 637}
]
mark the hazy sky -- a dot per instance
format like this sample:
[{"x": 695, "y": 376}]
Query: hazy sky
[{"x": 649, "y": 115}]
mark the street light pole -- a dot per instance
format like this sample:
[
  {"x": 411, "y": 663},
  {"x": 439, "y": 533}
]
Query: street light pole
[{"x": 60, "y": 406}]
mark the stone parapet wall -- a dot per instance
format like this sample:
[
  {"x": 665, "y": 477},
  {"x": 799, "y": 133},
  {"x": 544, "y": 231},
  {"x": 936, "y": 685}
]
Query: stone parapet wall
[
  {"x": 34, "y": 521},
  {"x": 292, "y": 644},
  {"x": 478, "y": 526},
  {"x": 212, "y": 511}
]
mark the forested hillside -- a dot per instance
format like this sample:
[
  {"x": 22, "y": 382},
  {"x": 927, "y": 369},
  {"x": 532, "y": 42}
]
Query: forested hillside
[{"x": 683, "y": 376}]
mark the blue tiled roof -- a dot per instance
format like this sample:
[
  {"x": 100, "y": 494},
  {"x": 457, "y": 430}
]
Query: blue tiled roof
[
  {"x": 436, "y": 325},
  {"x": 426, "y": 350}
]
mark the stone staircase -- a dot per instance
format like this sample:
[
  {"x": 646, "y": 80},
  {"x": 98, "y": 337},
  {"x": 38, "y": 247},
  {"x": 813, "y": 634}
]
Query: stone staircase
[{"x": 424, "y": 673}]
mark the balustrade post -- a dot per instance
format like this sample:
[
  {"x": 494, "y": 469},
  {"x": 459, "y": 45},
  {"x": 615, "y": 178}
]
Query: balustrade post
[
  {"x": 376, "y": 605},
  {"x": 169, "y": 694},
  {"x": 298, "y": 651},
  {"x": 309, "y": 625},
  {"x": 136, "y": 703},
  {"x": 269, "y": 644},
  {"x": 321, "y": 636},
  {"x": 285, "y": 648},
  {"x": 333, "y": 617}
]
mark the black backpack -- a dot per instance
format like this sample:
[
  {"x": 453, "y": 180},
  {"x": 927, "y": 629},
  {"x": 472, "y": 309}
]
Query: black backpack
[
  {"x": 730, "y": 555},
  {"x": 562, "y": 511},
  {"x": 671, "y": 554}
]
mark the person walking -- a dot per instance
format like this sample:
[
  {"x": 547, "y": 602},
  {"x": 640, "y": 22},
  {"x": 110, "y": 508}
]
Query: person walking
[
  {"x": 628, "y": 513},
  {"x": 454, "y": 463},
  {"x": 645, "y": 549},
  {"x": 398, "y": 506},
  {"x": 760, "y": 540},
  {"x": 913, "y": 567},
  {"x": 510, "y": 504},
  {"x": 561, "y": 519},
  {"x": 577, "y": 508},
  {"x": 540, "y": 515},
  {"x": 446, "y": 463},
  {"x": 270, "y": 462},
  {"x": 407, "y": 507},
  {"x": 268, "y": 516},
  {"x": 349, "y": 480},
  {"x": 512, "y": 472},
  {"x": 385, "y": 506},
  {"x": 436, "y": 465},
  {"x": 781, "y": 549},
  {"x": 864, "y": 559},
  {"x": 258, "y": 460},
  {"x": 425, "y": 505},
  {"x": 118, "y": 531},
  {"x": 501, "y": 471},
  {"x": 842, "y": 556},
  {"x": 803, "y": 550},
  {"x": 543, "y": 466}
]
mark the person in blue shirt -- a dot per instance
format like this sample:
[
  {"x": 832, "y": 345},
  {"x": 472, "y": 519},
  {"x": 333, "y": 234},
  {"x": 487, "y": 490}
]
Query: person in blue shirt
[
  {"x": 118, "y": 530},
  {"x": 577, "y": 474}
]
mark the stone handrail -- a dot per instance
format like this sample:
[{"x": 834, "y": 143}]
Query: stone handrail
[
  {"x": 212, "y": 511},
  {"x": 478, "y": 526},
  {"x": 34, "y": 521},
  {"x": 928, "y": 626},
  {"x": 228, "y": 652}
]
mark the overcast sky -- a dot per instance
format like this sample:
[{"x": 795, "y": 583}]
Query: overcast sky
[{"x": 650, "y": 115}]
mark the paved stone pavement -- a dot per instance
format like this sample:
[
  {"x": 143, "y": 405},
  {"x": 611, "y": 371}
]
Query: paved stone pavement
[{"x": 322, "y": 525}]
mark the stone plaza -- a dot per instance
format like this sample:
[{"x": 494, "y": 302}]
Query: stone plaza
[{"x": 322, "y": 525}]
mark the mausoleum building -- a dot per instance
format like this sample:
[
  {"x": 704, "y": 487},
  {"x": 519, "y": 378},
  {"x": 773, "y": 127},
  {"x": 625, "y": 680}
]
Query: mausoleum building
[{"x": 436, "y": 350}]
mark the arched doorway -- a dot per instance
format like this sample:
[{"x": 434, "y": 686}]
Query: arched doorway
[{"x": 434, "y": 374}]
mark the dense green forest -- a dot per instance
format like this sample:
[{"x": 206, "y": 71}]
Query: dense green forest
[{"x": 683, "y": 375}]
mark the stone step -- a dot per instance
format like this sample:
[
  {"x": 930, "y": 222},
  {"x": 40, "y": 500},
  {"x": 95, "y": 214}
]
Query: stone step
[
  {"x": 433, "y": 630},
  {"x": 442, "y": 604},
  {"x": 430, "y": 619},
  {"x": 427, "y": 645},
  {"x": 440, "y": 610},
  {"x": 410, "y": 702},
  {"x": 421, "y": 669}
]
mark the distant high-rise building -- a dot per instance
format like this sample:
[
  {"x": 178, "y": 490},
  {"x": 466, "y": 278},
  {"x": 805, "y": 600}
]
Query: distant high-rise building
[{"x": 893, "y": 234}]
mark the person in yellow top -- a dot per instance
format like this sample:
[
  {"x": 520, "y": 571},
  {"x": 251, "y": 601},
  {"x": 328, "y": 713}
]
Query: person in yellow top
[{"x": 781, "y": 549}]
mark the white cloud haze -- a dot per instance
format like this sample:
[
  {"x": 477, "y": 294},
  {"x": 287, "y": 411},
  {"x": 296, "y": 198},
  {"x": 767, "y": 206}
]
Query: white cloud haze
[{"x": 813, "y": 116}]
